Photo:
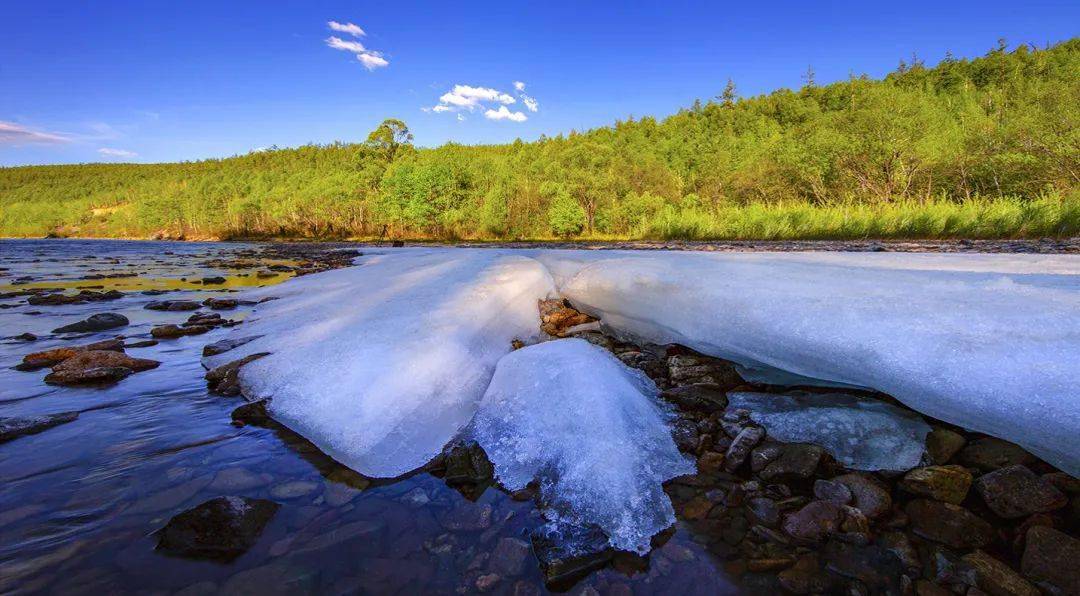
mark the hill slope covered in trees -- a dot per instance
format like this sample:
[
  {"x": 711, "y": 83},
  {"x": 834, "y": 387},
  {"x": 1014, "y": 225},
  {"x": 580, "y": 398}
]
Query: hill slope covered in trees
[{"x": 988, "y": 147}]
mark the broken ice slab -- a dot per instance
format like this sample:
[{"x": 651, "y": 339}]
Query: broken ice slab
[
  {"x": 591, "y": 431},
  {"x": 862, "y": 433}
]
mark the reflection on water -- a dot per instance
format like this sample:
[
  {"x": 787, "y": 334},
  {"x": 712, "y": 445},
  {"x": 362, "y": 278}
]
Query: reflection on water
[{"x": 81, "y": 501}]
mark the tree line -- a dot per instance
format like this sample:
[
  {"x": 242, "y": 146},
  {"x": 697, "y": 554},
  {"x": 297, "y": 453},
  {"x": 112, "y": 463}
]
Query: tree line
[{"x": 984, "y": 147}]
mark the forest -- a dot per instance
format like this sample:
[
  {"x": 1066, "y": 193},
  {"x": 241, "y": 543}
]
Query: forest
[{"x": 974, "y": 148}]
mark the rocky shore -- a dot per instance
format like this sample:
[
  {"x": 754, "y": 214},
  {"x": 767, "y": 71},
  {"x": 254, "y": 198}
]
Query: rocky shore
[{"x": 969, "y": 514}]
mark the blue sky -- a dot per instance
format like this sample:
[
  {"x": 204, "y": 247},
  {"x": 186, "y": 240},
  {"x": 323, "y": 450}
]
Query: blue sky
[{"x": 167, "y": 81}]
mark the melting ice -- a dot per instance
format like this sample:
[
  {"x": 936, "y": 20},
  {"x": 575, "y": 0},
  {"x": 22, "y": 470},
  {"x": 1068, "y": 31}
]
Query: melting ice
[{"x": 590, "y": 429}]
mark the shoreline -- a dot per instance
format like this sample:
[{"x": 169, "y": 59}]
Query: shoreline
[{"x": 1006, "y": 246}]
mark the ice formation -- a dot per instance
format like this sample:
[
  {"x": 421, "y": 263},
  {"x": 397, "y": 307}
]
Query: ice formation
[
  {"x": 987, "y": 342},
  {"x": 590, "y": 429},
  {"x": 381, "y": 364},
  {"x": 861, "y": 433}
]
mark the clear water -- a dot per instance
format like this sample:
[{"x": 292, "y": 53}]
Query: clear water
[{"x": 80, "y": 502}]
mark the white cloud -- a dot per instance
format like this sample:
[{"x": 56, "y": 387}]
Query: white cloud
[
  {"x": 519, "y": 85},
  {"x": 440, "y": 108},
  {"x": 504, "y": 114},
  {"x": 110, "y": 152},
  {"x": 461, "y": 117},
  {"x": 371, "y": 59},
  {"x": 349, "y": 46},
  {"x": 464, "y": 96},
  {"x": 349, "y": 28},
  {"x": 530, "y": 103},
  {"x": 17, "y": 134}
]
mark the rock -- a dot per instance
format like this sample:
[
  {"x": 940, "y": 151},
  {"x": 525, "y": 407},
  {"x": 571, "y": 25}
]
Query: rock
[
  {"x": 174, "y": 331},
  {"x": 97, "y": 366},
  {"x": 141, "y": 344},
  {"x": 487, "y": 582},
  {"x": 568, "y": 554},
  {"x": 24, "y": 337},
  {"x": 949, "y": 524},
  {"x": 900, "y": 545},
  {"x": 697, "y": 508},
  {"x": 685, "y": 433},
  {"x": 876, "y": 567},
  {"x": 942, "y": 444},
  {"x": 806, "y": 577},
  {"x": 213, "y": 280},
  {"x": 219, "y": 347},
  {"x": 331, "y": 539},
  {"x": 280, "y": 578},
  {"x": 14, "y": 427},
  {"x": 994, "y": 577},
  {"x": 173, "y": 305},
  {"x": 557, "y": 317},
  {"x": 224, "y": 380},
  {"x": 706, "y": 397},
  {"x": 57, "y": 355},
  {"x": 237, "y": 479},
  {"x": 814, "y": 522},
  {"x": 797, "y": 461},
  {"x": 741, "y": 446},
  {"x": 98, "y": 322},
  {"x": 468, "y": 468},
  {"x": 764, "y": 511},
  {"x": 710, "y": 462},
  {"x": 832, "y": 491},
  {"x": 685, "y": 369},
  {"x": 1016, "y": 491},
  {"x": 948, "y": 483},
  {"x": 1050, "y": 560},
  {"x": 220, "y": 529},
  {"x": 293, "y": 490},
  {"x": 508, "y": 558},
  {"x": 221, "y": 303},
  {"x": 988, "y": 454},
  {"x": 251, "y": 413},
  {"x": 868, "y": 494},
  {"x": 467, "y": 517}
]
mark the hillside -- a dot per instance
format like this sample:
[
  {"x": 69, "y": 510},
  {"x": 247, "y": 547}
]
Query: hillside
[{"x": 987, "y": 147}]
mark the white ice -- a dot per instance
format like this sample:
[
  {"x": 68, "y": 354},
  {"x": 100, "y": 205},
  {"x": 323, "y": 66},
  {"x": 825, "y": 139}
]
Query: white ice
[
  {"x": 381, "y": 364},
  {"x": 590, "y": 429},
  {"x": 861, "y": 433},
  {"x": 987, "y": 342}
]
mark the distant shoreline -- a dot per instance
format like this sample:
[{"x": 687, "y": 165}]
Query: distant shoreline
[{"x": 1013, "y": 246}]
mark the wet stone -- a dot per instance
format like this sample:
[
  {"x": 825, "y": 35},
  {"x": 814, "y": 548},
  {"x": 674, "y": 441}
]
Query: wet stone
[
  {"x": 806, "y": 577},
  {"x": 815, "y": 521},
  {"x": 796, "y": 461},
  {"x": 1016, "y": 491},
  {"x": 222, "y": 346},
  {"x": 568, "y": 554},
  {"x": 57, "y": 355},
  {"x": 949, "y": 524},
  {"x": 868, "y": 495},
  {"x": 832, "y": 491},
  {"x": 97, "y": 366},
  {"x": 225, "y": 380},
  {"x": 173, "y": 305},
  {"x": 221, "y": 529},
  {"x": 989, "y": 454},
  {"x": 942, "y": 444},
  {"x": 1050, "y": 560},
  {"x": 876, "y": 567},
  {"x": 174, "y": 331},
  {"x": 994, "y": 577},
  {"x": 509, "y": 557},
  {"x": 14, "y": 427},
  {"x": 741, "y": 446},
  {"x": 467, "y": 517},
  {"x": 685, "y": 369},
  {"x": 98, "y": 322},
  {"x": 251, "y": 413},
  {"x": 293, "y": 490},
  {"x": 705, "y": 397},
  {"x": 947, "y": 483}
]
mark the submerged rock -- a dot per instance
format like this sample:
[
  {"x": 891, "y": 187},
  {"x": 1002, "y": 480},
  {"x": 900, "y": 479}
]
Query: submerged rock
[
  {"x": 97, "y": 366},
  {"x": 173, "y": 305},
  {"x": 225, "y": 345},
  {"x": 707, "y": 397},
  {"x": 569, "y": 553},
  {"x": 14, "y": 427},
  {"x": 174, "y": 331},
  {"x": 861, "y": 433},
  {"x": 220, "y": 529},
  {"x": 98, "y": 322}
]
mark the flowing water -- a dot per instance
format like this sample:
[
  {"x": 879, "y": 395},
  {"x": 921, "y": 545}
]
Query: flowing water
[{"x": 81, "y": 502}]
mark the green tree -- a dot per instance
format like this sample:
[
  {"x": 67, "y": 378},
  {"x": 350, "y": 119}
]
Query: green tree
[
  {"x": 388, "y": 137},
  {"x": 565, "y": 216}
]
